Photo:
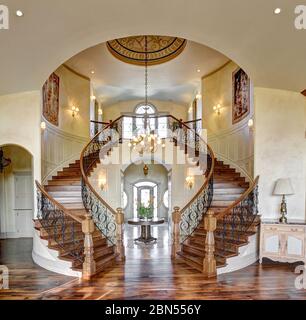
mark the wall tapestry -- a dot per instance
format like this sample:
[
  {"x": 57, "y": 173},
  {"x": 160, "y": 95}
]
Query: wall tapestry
[
  {"x": 51, "y": 99},
  {"x": 241, "y": 95}
]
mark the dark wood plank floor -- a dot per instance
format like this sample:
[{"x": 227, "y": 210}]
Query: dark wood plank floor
[{"x": 147, "y": 274}]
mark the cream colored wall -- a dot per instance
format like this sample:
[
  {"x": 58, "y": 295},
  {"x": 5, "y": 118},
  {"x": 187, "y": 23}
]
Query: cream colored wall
[
  {"x": 20, "y": 116},
  {"x": 280, "y": 149},
  {"x": 232, "y": 143},
  {"x": 21, "y": 162},
  {"x": 114, "y": 111},
  {"x": 74, "y": 91},
  {"x": 63, "y": 144}
]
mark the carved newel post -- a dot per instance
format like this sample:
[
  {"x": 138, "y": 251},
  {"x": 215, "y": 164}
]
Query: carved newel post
[
  {"x": 176, "y": 217},
  {"x": 89, "y": 264},
  {"x": 209, "y": 262},
  {"x": 119, "y": 233}
]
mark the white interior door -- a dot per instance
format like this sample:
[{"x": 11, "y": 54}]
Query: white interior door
[{"x": 23, "y": 206}]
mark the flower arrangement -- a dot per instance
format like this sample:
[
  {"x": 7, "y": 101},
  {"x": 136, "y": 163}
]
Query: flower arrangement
[{"x": 145, "y": 212}]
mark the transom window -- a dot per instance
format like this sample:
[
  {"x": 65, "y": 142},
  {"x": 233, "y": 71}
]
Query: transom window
[
  {"x": 131, "y": 124},
  {"x": 142, "y": 108}
]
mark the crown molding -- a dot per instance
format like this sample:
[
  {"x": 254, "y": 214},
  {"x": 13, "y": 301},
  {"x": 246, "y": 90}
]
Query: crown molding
[
  {"x": 216, "y": 70},
  {"x": 76, "y": 73}
]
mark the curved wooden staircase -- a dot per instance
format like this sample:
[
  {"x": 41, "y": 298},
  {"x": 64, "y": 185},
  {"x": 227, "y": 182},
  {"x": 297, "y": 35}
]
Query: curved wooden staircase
[
  {"x": 87, "y": 232},
  {"x": 229, "y": 188},
  {"x": 64, "y": 190}
]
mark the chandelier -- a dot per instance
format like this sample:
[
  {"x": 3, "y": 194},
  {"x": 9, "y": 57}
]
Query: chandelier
[
  {"x": 146, "y": 141},
  {"x": 3, "y": 161}
]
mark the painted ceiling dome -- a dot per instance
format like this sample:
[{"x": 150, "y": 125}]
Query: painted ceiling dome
[{"x": 160, "y": 49}]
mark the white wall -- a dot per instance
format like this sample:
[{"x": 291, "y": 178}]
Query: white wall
[
  {"x": 280, "y": 149},
  {"x": 232, "y": 143},
  {"x": 20, "y": 125},
  {"x": 114, "y": 111}
]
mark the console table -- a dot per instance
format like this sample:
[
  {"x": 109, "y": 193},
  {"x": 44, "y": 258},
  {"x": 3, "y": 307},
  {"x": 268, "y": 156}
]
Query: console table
[
  {"x": 283, "y": 242},
  {"x": 145, "y": 225}
]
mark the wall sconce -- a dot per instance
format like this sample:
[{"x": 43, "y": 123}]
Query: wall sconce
[
  {"x": 75, "y": 111},
  {"x": 190, "y": 182},
  {"x": 198, "y": 96},
  {"x": 251, "y": 123},
  {"x": 217, "y": 109},
  {"x": 92, "y": 98},
  {"x": 100, "y": 112},
  {"x": 190, "y": 110},
  {"x": 103, "y": 184},
  {"x": 43, "y": 125}
]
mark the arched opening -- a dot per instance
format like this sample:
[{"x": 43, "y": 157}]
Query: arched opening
[
  {"x": 146, "y": 190},
  {"x": 16, "y": 194}
]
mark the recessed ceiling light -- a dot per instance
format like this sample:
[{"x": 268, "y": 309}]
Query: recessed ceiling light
[
  {"x": 92, "y": 72},
  {"x": 199, "y": 70},
  {"x": 277, "y": 10},
  {"x": 19, "y": 13}
]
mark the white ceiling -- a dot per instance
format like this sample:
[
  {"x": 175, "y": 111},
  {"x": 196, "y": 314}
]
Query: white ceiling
[
  {"x": 176, "y": 80},
  {"x": 265, "y": 45}
]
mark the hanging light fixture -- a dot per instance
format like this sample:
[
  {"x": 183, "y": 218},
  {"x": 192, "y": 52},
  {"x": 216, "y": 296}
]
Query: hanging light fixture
[
  {"x": 3, "y": 161},
  {"x": 146, "y": 140}
]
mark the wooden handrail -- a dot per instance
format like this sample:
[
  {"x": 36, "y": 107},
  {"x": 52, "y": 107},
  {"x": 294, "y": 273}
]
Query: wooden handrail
[
  {"x": 211, "y": 170},
  {"x": 57, "y": 204},
  {"x": 99, "y": 122},
  {"x": 221, "y": 214},
  {"x": 191, "y": 121},
  {"x": 85, "y": 178}
]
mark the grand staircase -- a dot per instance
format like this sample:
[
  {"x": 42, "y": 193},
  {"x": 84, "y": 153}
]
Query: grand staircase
[
  {"x": 64, "y": 232},
  {"x": 68, "y": 199},
  {"x": 228, "y": 187}
]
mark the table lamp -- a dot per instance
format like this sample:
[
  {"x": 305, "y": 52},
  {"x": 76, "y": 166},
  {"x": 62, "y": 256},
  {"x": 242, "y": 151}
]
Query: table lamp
[{"x": 283, "y": 188}]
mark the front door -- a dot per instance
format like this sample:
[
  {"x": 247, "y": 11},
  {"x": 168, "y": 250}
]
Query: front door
[{"x": 145, "y": 196}]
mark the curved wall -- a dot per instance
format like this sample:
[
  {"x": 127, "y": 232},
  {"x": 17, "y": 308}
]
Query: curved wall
[
  {"x": 63, "y": 144},
  {"x": 232, "y": 143}
]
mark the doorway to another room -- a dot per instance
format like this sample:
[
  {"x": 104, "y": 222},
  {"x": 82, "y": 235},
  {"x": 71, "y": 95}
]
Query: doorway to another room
[{"x": 16, "y": 193}]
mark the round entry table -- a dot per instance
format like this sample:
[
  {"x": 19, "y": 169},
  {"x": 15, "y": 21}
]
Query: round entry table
[{"x": 145, "y": 227}]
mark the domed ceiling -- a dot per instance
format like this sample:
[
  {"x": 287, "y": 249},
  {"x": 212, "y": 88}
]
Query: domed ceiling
[{"x": 160, "y": 49}]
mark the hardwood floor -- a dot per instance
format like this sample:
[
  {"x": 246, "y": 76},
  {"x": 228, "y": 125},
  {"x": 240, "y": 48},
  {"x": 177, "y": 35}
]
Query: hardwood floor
[{"x": 147, "y": 274}]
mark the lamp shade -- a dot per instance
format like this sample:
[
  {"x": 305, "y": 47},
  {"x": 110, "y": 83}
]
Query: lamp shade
[{"x": 283, "y": 187}]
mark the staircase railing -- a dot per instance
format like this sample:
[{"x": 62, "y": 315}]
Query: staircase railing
[
  {"x": 236, "y": 220},
  {"x": 230, "y": 225},
  {"x": 177, "y": 131},
  {"x": 59, "y": 224},
  {"x": 97, "y": 126},
  {"x": 193, "y": 212},
  {"x": 104, "y": 216},
  {"x": 63, "y": 229}
]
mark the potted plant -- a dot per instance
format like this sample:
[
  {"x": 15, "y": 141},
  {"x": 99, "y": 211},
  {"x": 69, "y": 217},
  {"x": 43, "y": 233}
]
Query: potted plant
[{"x": 145, "y": 212}]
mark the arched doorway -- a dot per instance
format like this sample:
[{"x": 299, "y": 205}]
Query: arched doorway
[
  {"x": 16, "y": 194},
  {"x": 150, "y": 189}
]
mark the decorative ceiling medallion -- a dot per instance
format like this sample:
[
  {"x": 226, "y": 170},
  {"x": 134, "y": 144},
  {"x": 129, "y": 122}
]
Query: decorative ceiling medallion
[{"x": 160, "y": 49}]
